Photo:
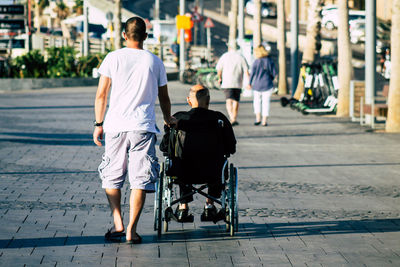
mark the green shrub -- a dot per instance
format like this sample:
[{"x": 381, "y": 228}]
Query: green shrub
[
  {"x": 61, "y": 62},
  {"x": 86, "y": 64},
  {"x": 30, "y": 65}
]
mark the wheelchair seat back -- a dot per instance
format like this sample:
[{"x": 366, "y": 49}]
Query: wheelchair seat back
[{"x": 197, "y": 152}]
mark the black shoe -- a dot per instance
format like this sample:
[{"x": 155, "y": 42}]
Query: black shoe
[
  {"x": 209, "y": 214},
  {"x": 235, "y": 123},
  {"x": 183, "y": 216},
  {"x": 257, "y": 123}
]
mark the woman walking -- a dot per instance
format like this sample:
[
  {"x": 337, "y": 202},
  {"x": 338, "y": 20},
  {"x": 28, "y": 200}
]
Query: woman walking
[{"x": 262, "y": 75}]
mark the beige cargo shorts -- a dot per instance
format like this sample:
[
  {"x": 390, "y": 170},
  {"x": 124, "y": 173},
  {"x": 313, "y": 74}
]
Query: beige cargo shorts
[{"x": 132, "y": 154}]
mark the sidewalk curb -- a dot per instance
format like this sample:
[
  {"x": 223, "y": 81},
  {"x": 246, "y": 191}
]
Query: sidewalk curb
[{"x": 10, "y": 84}]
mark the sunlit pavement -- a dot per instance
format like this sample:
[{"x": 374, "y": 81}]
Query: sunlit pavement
[{"x": 313, "y": 190}]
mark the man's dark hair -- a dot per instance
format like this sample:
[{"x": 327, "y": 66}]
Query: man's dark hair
[{"x": 135, "y": 29}]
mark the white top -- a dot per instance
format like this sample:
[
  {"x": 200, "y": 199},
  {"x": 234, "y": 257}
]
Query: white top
[
  {"x": 135, "y": 77},
  {"x": 233, "y": 66}
]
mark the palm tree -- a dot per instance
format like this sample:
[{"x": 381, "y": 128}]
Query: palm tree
[
  {"x": 282, "y": 86},
  {"x": 313, "y": 39},
  {"x": 233, "y": 22},
  {"x": 36, "y": 16},
  {"x": 118, "y": 24},
  {"x": 257, "y": 24},
  {"x": 62, "y": 11},
  {"x": 345, "y": 70},
  {"x": 78, "y": 7},
  {"x": 38, "y": 10},
  {"x": 393, "y": 118}
]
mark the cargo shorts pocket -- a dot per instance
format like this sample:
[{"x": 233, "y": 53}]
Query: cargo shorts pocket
[
  {"x": 153, "y": 168},
  {"x": 103, "y": 165}
]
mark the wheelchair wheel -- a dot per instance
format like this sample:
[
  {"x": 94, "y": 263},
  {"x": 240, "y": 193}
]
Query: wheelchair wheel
[
  {"x": 160, "y": 188},
  {"x": 156, "y": 207},
  {"x": 236, "y": 202},
  {"x": 231, "y": 197}
]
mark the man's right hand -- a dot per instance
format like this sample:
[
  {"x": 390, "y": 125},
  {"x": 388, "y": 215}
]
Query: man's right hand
[{"x": 98, "y": 135}]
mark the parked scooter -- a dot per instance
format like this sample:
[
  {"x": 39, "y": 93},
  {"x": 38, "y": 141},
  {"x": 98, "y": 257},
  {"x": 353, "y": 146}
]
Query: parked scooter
[{"x": 320, "y": 89}]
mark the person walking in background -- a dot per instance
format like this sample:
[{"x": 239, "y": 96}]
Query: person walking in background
[
  {"x": 262, "y": 75},
  {"x": 135, "y": 78},
  {"x": 231, "y": 67},
  {"x": 174, "y": 49}
]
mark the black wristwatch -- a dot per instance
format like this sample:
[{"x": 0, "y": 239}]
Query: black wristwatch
[{"x": 96, "y": 124}]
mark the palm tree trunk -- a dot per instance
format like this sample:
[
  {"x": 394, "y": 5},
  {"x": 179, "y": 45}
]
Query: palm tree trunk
[
  {"x": 282, "y": 86},
  {"x": 313, "y": 39},
  {"x": 313, "y": 36},
  {"x": 36, "y": 18},
  {"x": 233, "y": 22},
  {"x": 118, "y": 24},
  {"x": 344, "y": 60},
  {"x": 257, "y": 23},
  {"x": 393, "y": 118}
]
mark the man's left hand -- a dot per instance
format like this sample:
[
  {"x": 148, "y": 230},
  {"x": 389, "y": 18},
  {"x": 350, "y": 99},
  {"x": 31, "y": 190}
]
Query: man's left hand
[{"x": 171, "y": 121}]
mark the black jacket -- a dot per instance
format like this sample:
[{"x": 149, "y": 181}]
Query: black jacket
[{"x": 206, "y": 138}]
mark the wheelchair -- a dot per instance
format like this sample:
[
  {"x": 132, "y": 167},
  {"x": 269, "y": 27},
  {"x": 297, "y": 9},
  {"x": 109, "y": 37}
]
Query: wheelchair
[{"x": 165, "y": 197}]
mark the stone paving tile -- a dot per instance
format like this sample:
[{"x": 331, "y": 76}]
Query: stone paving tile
[{"x": 313, "y": 191}]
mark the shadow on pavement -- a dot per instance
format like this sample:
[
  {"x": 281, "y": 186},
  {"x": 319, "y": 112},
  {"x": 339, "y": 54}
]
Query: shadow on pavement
[
  {"x": 59, "y": 142},
  {"x": 65, "y": 139},
  {"x": 46, "y": 107},
  {"x": 45, "y": 172},
  {"x": 320, "y": 165},
  {"x": 299, "y": 135},
  {"x": 286, "y": 229},
  {"x": 217, "y": 233},
  {"x": 51, "y": 241}
]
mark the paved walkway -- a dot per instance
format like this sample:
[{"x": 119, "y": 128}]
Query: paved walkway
[{"x": 313, "y": 191}]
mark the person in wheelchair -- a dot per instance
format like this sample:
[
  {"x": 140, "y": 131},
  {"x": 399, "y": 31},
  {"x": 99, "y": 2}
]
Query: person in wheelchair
[{"x": 198, "y": 146}]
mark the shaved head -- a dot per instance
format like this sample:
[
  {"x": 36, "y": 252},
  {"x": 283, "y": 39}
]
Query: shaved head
[
  {"x": 201, "y": 94},
  {"x": 197, "y": 87}
]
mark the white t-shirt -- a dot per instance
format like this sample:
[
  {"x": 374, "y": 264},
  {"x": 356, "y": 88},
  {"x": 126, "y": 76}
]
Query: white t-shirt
[
  {"x": 233, "y": 66},
  {"x": 135, "y": 77}
]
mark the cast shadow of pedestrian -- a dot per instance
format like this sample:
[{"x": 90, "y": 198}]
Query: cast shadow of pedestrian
[
  {"x": 217, "y": 233},
  {"x": 285, "y": 229}
]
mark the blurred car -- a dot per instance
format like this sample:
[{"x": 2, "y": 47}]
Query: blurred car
[
  {"x": 382, "y": 43},
  {"x": 268, "y": 10},
  {"x": 331, "y": 19},
  {"x": 357, "y": 32}
]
